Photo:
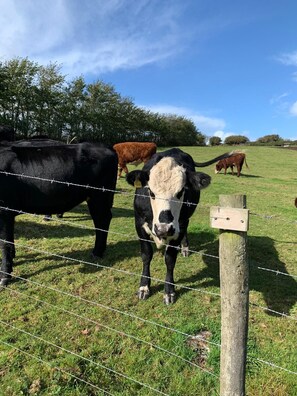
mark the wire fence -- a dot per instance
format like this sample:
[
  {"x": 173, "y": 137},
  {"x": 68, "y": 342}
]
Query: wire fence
[{"x": 153, "y": 346}]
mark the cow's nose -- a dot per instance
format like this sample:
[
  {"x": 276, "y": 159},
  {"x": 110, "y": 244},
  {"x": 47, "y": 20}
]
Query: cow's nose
[{"x": 164, "y": 230}]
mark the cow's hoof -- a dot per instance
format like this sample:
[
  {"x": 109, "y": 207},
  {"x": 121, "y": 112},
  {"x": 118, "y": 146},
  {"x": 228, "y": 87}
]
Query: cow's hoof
[
  {"x": 185, "y": 251},
  {"x": 169, "y": 298},
  {"x": 143, "y": 292},
  {"x": 3, "y": 283},
  {"x": 96, "y": 256}
]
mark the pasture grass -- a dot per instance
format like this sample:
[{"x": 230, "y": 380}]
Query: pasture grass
[{"x": 88, "y": 307}]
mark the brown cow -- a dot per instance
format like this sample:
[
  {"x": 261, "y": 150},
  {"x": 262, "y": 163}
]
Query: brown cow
[
  {"x": 296, "y": 202},
  {"x": 133, "y": 153},
  {"x": 235, "y": 160}
]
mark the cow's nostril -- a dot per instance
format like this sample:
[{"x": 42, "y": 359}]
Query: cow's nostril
[{"x": 170, "y": 231}]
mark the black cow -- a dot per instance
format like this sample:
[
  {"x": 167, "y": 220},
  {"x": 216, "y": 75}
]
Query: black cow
[
  {"x": 84, "y": 164},
  {"x": 167, "y": 193},
  {"x": 6, "y": 133}
]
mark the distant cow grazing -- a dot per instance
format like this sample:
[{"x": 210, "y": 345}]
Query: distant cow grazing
[
  {"x": 167, "y": 193},
  {"x": 237, "y": 159},
  {"x": 296, "y": 202},
  {"x": 133, "y": 153},
  {"x": 76, "y": 166}
]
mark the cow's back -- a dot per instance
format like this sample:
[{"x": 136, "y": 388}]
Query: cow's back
[{"x": 51, "y": 173}]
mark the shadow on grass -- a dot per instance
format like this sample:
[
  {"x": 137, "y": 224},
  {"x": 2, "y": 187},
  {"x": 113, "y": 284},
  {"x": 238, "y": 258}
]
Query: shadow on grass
[
  {"x": 279, "y": 291},
  {"x": 244, "y": 175}
]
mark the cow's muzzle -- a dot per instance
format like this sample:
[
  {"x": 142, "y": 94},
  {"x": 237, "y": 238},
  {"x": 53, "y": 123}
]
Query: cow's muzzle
[{"x": 163, "y": 230}]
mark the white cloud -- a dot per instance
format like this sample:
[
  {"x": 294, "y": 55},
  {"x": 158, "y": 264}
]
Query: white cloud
[
  {"x": 222, "y": 134},
  {"x": 207, "y": 125},
  {"x": 90, "y": 37},
  {"x": 278, "y": 98},
  {"x": 293, "y": 109},
  {"x": 289, "y": 59}
]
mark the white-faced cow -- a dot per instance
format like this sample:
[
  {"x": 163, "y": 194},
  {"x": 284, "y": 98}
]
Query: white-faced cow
[
  {"x": 167, "y": 193},
  {"x": 76, "y": 166}
]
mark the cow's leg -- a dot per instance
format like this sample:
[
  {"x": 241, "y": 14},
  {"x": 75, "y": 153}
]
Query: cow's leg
[
  {"x": 231, "y": 166},
  {"x": 7, "y": 247},
  {"x": 170, "y": 260},
  {"x": 185, "y": 246},
  {"x": 100, "y": 210},
  {"x": 146, "y": 256},
  {"x": 225, "y": 170}
]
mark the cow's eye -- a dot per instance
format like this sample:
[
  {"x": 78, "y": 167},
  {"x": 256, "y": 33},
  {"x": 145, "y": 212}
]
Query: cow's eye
[
  {"x": 152, "y": 195},
  {"x": 179, "y": 195}
]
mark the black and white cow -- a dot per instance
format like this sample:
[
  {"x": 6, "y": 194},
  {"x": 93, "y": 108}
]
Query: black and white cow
[
  {"x": 85, "y": 164},
  {"x": 167, "y": 193}
]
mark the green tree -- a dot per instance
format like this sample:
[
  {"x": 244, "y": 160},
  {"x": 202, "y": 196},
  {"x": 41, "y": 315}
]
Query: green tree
[
  {"x": 215, "y": 141},
  {"x": 270, "y": 139},
  {"x": 236, "y": 139}
]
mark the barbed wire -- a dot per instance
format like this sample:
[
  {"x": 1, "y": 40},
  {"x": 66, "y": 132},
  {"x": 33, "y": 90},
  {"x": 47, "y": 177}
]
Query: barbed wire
[
  {"x": 273, "y": 311},
  {"x": 103, "y": 189},
  {"x": 57, "y": 368},
  {"x": 135, "y": 238},
  {"x": 115, "y": 310},
  {"x": 127, "y": 193},
  {"x": 125, "y": 272},
  {"x": 108, "y": 268},
  {"x": 120, "y": 332},
  {"x": 150, "y": 322},
  {"x": 144, "y": 320},
  {"x": 84, "y": 358}
]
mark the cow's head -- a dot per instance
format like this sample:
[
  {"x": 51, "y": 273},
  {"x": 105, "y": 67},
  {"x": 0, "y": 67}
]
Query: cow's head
[
  {"x": 218, "y": 167},
  {"x": 167, "y": 183}
]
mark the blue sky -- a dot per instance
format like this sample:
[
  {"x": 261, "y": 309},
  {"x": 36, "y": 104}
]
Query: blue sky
[{"x": 230, "y": 66}]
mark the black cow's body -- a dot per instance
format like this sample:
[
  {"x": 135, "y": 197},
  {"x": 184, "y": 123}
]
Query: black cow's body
[
  {"x": 168, "y": 191},
  {"x": 84, "y": 164}
]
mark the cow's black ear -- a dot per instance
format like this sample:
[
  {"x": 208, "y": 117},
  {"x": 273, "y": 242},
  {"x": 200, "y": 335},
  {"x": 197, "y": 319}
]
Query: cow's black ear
[
  {"x": 198, "y": 180},
  {"x": 137, "y": 178}
]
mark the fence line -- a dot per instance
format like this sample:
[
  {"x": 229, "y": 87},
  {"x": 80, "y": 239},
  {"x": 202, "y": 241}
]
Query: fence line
[
  {"x": 129, "y": 236},
  {"x": 107, "y": 267},
  {"x": 84, "y": 358},
  {"x": 274, "y": 312},
  {"x": 127, "y": 193},
  {"x": 137, "y": 318},
  {"x": 57, "y": 368},
  {"x": 114, "y": 330},
  {"x": 131, "y": 274},
  {"x": 135, "y": 238},
  {"x": 132, "y": 316}
]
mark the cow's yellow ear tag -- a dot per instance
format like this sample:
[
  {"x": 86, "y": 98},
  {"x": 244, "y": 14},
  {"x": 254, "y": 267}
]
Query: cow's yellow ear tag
[{"x": 137, "y": 183}]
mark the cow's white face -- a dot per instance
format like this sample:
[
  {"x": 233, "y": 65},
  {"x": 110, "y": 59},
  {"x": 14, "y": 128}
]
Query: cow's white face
[{"x": 166, "y": 185}]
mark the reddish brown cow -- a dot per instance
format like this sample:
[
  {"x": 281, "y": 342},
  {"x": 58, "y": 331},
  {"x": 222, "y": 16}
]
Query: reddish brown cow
[
  {"x": 296, "y": 202},
  {"x": 133, "y": 153},
  {"x": 235, "y": 160}
]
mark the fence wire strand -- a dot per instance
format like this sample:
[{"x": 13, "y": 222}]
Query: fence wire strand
[
  {"x": 57, "y": 368},
  {"x": 84, "y": 358},
  {"x": 119, "y": 332}
]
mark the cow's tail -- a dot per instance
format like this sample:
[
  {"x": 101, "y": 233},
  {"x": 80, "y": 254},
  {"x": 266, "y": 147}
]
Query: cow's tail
[
  {"x": 245, "y": 162},
  {"x": 220, "y": 157}
]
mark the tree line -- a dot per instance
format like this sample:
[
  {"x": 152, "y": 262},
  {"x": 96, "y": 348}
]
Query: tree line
[
  {"x": 38, "y": 100},
  {"x": 266, "y": 140}
]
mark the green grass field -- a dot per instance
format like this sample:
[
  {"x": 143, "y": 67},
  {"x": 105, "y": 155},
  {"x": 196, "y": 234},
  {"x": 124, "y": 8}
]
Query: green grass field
[{"x": 75, "y": 327}]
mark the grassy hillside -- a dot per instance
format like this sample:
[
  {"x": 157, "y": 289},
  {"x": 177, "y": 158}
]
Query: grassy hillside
[{"x": 73, "y": 327}]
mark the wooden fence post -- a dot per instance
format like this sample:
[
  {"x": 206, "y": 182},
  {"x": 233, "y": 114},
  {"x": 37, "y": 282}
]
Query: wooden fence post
[{"x": 231, "y": 217}]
